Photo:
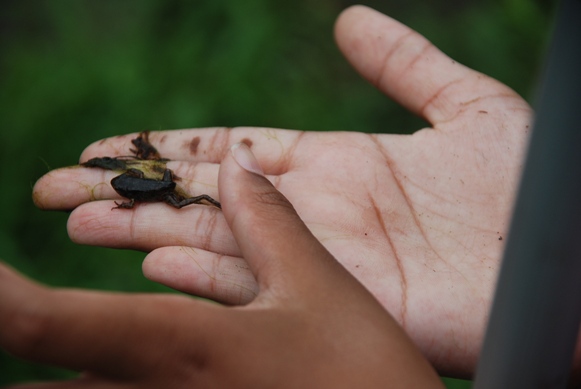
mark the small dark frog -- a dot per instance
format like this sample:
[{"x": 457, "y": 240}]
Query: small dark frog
[{"x": 133, "y": 185}]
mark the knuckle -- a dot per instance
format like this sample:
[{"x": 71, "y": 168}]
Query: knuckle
[
  {"x": 273, "y": 204},
  {"x": 272, "y": 209},
  {"x": 272, "y": 197}
]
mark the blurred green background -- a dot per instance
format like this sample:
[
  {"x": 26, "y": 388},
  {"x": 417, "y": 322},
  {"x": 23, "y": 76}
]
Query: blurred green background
[{"x": 76, "y": 71}]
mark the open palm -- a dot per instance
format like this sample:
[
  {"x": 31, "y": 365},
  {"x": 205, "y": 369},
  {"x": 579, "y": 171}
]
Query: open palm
[{"x": 418, "y": 219}]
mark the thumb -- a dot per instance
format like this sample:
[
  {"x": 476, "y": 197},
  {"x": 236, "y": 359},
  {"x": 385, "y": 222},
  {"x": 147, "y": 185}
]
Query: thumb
[
  {"x": 408, "y": 68},
  {"x": 275, "y": 242}
]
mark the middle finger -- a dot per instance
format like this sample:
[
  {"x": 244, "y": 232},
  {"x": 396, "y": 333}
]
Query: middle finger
[{"x": 150, "y": 226}]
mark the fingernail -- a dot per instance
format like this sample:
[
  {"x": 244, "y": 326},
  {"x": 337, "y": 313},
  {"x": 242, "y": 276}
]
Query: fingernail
[{"x": 242, "y": 154}]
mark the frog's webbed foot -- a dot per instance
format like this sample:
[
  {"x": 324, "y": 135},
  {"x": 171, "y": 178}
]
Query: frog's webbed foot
[
  {"x": 124, "y": 205},
  {"x": 201, "y": 199}
]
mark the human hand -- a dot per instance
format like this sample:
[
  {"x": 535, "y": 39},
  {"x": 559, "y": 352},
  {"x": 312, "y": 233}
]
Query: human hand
[
  {"x": 311, "y": 324},
  {"x": 417, "y": 219}
]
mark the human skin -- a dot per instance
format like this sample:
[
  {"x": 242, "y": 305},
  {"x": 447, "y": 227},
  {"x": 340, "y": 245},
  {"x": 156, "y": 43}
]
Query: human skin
[
  {"x": 311, "y": 325},
  {"x": 420, "y": 219}
]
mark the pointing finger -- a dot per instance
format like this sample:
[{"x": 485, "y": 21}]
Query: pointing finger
[{"x": 83, "y": 330}]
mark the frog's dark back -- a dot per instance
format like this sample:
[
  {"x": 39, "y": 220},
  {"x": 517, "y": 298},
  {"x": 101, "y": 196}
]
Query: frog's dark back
[{"x": 142, "y": 189}]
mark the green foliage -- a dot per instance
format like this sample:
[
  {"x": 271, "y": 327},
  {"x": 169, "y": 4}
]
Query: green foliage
[
  {"x": 76, "y": 71},
  {"x": 452, "y": 383}
]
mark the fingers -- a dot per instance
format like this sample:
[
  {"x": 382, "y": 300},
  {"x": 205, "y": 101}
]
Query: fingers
[
  {"x": 218, "y": 277},
  {"x": 83, "y": 330},
  {"x": 407, "y": 67},
  {"x": 145, "y": 227},
  {"x": 272, "y": 238}
]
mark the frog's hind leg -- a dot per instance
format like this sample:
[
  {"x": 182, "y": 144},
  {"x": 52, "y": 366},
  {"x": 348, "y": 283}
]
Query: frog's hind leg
[{"x": 201, "y": 199}]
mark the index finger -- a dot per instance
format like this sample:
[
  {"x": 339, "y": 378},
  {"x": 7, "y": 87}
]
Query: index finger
[
  {"x": 208, "y": 145},
  {"x": 115, "y": 335}
]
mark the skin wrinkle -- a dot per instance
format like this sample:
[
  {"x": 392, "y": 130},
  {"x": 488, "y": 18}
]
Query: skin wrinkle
[
  {"x": 395, "y": 47},
  {"x": 284, "y": 162},
  {"x": 270, "y": 134},
  {"x": 214, "y": 280},
  {"x": 464, "y": 107},
  {"x": 191, "y": 253},
  {"x": 400, "y": 268},
  {"x": 466, "y": 248},
  {"x": 478, "y": 228},
  {"x": 389, "y": 164},
  {"x": 104, "y": 178},
  {"x": 189, "y": 180},
  {"x": 444, "y": 199},
  {"x": 242, "y": 289},
  {"x": 420, "y": 55},
  {"x": 198, "y": 223},
  {"x": 450, "y": 264},
  {"x": 220, "y": 141},
  {"x": 215, "y": 271},
  {"x": 275, "y": 180},
  {"x": 496, "y": 96},
  {"x": 413, "y": 212},
  {"x": 78, "y": 230},
  {"x": 210, "y": 231},
  {"x": 189, "y": 172},
  {"x": 429, "y": 102},
  {"x": 131, "y": 225}
]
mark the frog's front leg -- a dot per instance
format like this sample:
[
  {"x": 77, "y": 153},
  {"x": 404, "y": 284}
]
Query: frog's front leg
[{"x": 179, "y": 202}]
